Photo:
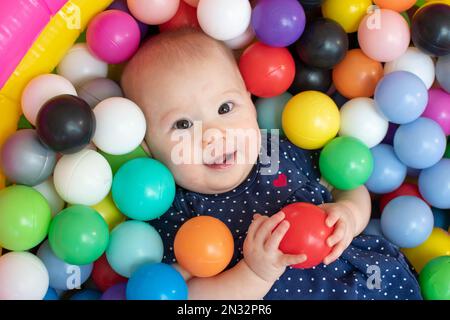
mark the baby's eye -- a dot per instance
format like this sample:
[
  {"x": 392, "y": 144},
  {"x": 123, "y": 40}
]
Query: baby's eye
[
  {"x": 226, "y": 107},
  {"x": 182, "y": 124}
]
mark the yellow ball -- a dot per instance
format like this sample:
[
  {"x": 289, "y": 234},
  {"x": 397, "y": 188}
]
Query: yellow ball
[
  {"x": 348, "y": 13},
  {"x": 437, "y": 244},
  {"x": 310, "y": 120},
  {"x": 108, "y": 210}
]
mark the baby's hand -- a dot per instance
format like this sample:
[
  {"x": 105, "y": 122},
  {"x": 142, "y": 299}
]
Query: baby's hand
[
  {"x": 340, "y": 216},
  {"x": 261, "y": 251}
]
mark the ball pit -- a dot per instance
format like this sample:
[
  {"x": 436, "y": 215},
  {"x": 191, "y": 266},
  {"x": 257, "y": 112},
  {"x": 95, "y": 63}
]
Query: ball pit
[
  {"x": 186, "y": 16},
  {"x": 95, "y": 91},
  {"x": 309, "y": 78},
  {"x": 406, "y": 189},
  {"x": 348, "y": 13},
  {"x": 103, "y": 276}
]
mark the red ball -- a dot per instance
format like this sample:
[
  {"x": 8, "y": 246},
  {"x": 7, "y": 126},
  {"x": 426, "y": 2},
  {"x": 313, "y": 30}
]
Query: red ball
[
  {"x": 103, "y": 276},
  {"x": 186, "y": 16},
  {"x": 406, "y": 189},
  {"x": 267, "y": 71},
  {"x": 307, "y": 233}
]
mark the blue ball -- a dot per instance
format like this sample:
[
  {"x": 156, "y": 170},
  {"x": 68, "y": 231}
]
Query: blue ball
[
  {"x": 132, "y": 244},
  {"x": 434, "y": 184},
  {"x": 87, "y": 294},
  {"x": 407, "y": 221},
  {"x": 143, "y": 189},
  {"x": 270, "y": 110},
  {"x": 62, "y": 276},
  {"x": 388, "y": 172},
  {"x": 441, "y": 218},
  {"x": 373, "y": 228},
  {"x": 401, "y": 96},
  {"x": 420, "y": 144},
  {"x": 157, "y": 281},
  {"x": 51, "y": 294}
]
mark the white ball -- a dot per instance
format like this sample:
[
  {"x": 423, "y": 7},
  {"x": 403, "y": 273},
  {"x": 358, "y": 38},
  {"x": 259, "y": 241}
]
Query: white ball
[
  {"x": 40, "y": 90},
  {"x": 243, "y": 40},
  {"x": 414, "y": 61},
  {"x": 23, "y": 276},
  {"x": 80, "y": 66},
  {"x": 361, "y": 119},
  {"x": 224, "y": 19},
  {"x": 47, "y": 189},
  {"x": 83, "y": 178},
  {"x": 120, "y": 127}
]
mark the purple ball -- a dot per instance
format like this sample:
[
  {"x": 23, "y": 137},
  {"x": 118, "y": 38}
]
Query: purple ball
[
  {"x": 278, "y": 23},
  {"x": 116, "y": 292},
  {"x": 389, "y": 138},
  {"x": 122, "y": 6}
]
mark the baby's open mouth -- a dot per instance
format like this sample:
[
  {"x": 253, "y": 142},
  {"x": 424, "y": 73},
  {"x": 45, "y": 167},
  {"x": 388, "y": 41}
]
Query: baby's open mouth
[{"x": 225, "y": 161}]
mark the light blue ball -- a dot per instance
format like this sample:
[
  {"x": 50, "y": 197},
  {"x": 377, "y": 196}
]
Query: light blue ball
[
  {"x": 420, "y": 144},
  {"x": 269, "y": 111},
  {"x": 87, "y": 294},
  {"x": 157, "y": 281},
  {"x": 132, "y": 244},
  {"x": 401, "y": 96},
  {"x": 62, "y": 276},
  {"x": 407, "y": 221},
  {"x": 143, "y": 189},
  {"x": 51, "y": 294},
  {"x": 441, "y": 218},
  {"x": 434, "y": 184},
  {"x": 388, "y": 172},
  {"x": 373, "y": 228}
]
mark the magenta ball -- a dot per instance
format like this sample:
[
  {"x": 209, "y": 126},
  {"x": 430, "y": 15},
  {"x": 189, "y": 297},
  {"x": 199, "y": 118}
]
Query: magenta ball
[
  {"x": 113, "y": 36},
  {"x": 438, "y": 108}
]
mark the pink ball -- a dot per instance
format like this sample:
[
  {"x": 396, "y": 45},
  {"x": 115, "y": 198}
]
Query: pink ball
[
  {"x": 113, "y": 36},
  {"x": 438, "y": 108},
  {"x": 153, "y": 11},
  {"x": 384, "y": 35}
]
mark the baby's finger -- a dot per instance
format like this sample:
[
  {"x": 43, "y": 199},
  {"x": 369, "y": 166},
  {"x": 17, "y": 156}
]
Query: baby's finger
[
  {"x": 290, "y": 259},
  {"x": 338, "y": 234},
  {"x": 335, "y": 253},
  {"x": 277, "y": 235},
  {"x": 254, "y": 226},
  {"x": 333, "y": 217},
  {"x": 266, "y": 228}
]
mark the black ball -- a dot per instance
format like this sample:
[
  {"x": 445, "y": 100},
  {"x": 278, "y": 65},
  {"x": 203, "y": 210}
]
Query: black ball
[
  {"x": 323, "y": 44},
  {"x": 65, "y": 124},
  {"x": 310, "y": 78},
  {"x": 311, "y": 3},
  {"x": 431, "y": 29}
]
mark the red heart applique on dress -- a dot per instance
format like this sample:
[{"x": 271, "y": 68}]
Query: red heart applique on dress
[{"x": 281, "y": 181}]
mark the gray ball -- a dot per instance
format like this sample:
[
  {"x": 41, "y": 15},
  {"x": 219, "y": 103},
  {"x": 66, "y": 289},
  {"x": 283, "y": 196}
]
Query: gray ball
[
  {"x": 25, "y": 160},
  {"x": 443, "y": 72},
  {"x": 97, "y": 90}
]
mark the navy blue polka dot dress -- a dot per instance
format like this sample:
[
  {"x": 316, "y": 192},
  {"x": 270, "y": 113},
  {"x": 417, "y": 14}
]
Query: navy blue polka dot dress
[{"x": 370, "y": 268}]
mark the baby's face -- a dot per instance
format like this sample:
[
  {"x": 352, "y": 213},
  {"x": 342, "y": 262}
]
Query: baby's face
[{"x": 202, "y": 125}]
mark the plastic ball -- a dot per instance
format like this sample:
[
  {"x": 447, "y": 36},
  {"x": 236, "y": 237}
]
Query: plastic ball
[
  {"x": 348, "y": 13},
  {"x": 25, "y": 160},
  {"x": 97, "y": 90},
  {"x": 406, "y": 189},
  {"x": 109, "y": 212},
  {"x": 441, "y": 218},
  {"x": 431, "y": 29},
  {"x": 116, "y": 161},
  {"x": 224, "y": 19},
  {"x": 204, "y": 246},
  {"x": 361, "y": 119},
  {"x": 407, "y": 221},
  {"x": 143, "y": 189},
  {"x": 121, "y": 126},
  {"x": 122, "y": 6},
  {"x": 65, "y": 124},
  {"x": 414, "y": 61},
  {"x": 103, "y": 276},
  {"x": 242, "y": 41},
  {"x": 267, "y": 71},
  {"x": 438, "y": 108},
  {"x": 132, "y": 244},
  {"x": 346, "y": 163},
  {"x": 79, "y": 65},
  {"x": 193, "y": 3},
  {"x": 310, "y": 78},
  {"x": 311, "y": 3},
  {"x": 116, "y": 292},
  {"x": 307, "y": 234},
  {"x": 435, "y": 279},
  {"x": 401, "y": 97},
  {"x": 22, "y": 277},
  {"x": 397, "y": 5},
  {"x": 310, "y": 120},
  {"x": 86, "y": 294},
  {"x": 83, "y": 178},
  {"x": 24, "y": 218},
  {"x": 373, "y": 228},
  {"x": 323, "y": 44},
  {"x": 357, "y": 75},
  {"x": 442, "y": 72},
  {"x": 78, "y": 235},
  {"x": 434, "y": 184},
  {"x": 51, "y": 294},
  {"x": 186, "y": 16},
  {"x": 47, "y": 189},
  {"x": 388, "y": 172},
  {"x": 62, "y": 276},
  {"x": 420, "y": 144},
  {"x": 278, "y": 23},
  {"x": 270, "y": 110},
  {"x": 156, "y": 281},
  {"x": 153, "y": 11},
  {"x": 384, "y": 35},
  {"x": 41, "y": 89}
]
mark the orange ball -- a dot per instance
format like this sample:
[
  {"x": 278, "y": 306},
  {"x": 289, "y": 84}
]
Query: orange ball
[
  {"x": 357, "y": 75},
  {"x": 204, "y": 246},
  {"x": 396, "y": 5}
]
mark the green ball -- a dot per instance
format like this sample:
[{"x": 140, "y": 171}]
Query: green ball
[
  {"x": 447, "y": 151},
  {"x": 78, "y": 235},
  {"x": 24, "y": 218},
  {"x": 434, "y": 279},
  {"x": 346, "y": 163},
  {"x": 116, "y": 161}
]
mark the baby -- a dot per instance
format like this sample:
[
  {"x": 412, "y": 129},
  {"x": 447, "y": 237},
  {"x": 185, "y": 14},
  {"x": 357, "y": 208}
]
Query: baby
[{"x": 189, "y": 84}]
